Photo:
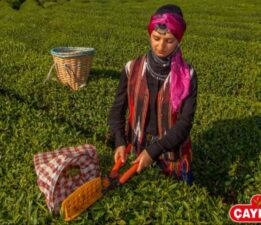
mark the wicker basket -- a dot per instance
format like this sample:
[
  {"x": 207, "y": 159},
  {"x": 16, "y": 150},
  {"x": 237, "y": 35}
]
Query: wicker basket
[{"x": 73, "y": 65}]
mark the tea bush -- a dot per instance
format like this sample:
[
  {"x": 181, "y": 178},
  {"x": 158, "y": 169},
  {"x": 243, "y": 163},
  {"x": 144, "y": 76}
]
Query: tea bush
[{"x": 223, "y": 44}]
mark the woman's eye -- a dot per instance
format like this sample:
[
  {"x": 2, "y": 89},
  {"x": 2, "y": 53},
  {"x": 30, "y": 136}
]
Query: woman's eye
[
  {"x": 156, "y": 38},
  {"x": 170, "y": 41}
]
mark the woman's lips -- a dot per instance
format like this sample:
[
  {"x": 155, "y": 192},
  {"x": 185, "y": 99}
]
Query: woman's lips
[{"x": 161, "y": 53}]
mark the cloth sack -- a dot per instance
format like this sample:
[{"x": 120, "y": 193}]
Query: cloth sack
[{"x": 61, "y": 171}]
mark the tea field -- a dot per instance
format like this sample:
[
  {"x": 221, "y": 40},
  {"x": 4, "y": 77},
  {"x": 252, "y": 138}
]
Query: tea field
[{"x": 223, "y": 44}]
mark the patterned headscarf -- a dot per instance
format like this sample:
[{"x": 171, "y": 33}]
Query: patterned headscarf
[{"x": 171, "y": 17}]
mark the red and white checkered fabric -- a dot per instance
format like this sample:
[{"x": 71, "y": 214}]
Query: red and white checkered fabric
[{"x": 52, "y": 172}]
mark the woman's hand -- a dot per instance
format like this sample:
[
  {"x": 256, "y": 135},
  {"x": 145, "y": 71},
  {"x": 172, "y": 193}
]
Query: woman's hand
[
  {"x": 143, "y": 159},
  {"x": 120, "y": 153}
]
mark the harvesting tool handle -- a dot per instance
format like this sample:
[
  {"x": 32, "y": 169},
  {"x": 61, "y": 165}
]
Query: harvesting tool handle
[
  {"x": 128, "y": 173},
  {"x": 115, "y": 170},
  {"x": 128, "y": 149}
]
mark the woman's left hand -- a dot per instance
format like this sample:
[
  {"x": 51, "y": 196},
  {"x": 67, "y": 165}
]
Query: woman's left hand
[{"x": 144, "y": 160}]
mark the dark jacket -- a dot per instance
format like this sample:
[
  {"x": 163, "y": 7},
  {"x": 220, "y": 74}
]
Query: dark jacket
[{"x": 173, "y": 137}]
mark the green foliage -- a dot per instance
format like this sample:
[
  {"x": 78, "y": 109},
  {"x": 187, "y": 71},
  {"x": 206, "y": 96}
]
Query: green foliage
[
  {"x": 15, "y": 4},
  {"x": 222, "y": 43}
]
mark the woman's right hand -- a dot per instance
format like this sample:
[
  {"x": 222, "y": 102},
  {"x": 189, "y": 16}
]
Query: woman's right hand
[{"x": 120, "y": 153}]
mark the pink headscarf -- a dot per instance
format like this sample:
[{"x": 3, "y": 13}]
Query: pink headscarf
[{"x": 180, "y": 74}]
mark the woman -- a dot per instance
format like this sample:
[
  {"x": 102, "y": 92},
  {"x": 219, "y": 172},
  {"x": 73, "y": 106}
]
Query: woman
[{"x": 159, "y": 89}]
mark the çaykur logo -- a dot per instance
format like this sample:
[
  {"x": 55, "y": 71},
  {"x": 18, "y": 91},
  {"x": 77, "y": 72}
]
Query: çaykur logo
[{"x": 247, "y": 212}]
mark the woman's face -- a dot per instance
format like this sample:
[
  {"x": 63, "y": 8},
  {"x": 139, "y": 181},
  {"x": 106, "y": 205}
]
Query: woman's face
[{"x": 162, "y": 44}]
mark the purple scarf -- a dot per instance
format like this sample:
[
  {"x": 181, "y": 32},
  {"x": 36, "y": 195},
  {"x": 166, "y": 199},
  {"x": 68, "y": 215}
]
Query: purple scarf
[{"x": 180, "y": 74}]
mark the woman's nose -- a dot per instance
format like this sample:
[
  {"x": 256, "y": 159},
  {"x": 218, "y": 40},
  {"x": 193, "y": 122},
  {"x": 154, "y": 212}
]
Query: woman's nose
[{"x": 161, "y": 45}]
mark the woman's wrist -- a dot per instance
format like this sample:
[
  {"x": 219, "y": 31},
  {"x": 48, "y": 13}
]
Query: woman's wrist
[{"x": 155, "y": 150}]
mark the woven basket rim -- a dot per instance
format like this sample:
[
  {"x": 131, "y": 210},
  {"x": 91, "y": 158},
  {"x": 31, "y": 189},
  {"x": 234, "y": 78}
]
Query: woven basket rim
[{"x": 66, "y": 52}]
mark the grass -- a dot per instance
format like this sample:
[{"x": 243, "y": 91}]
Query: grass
[{"x": 223, "y": 44}]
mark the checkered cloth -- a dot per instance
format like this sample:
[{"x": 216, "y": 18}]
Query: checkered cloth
[{"x": 53, "y": 172}]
